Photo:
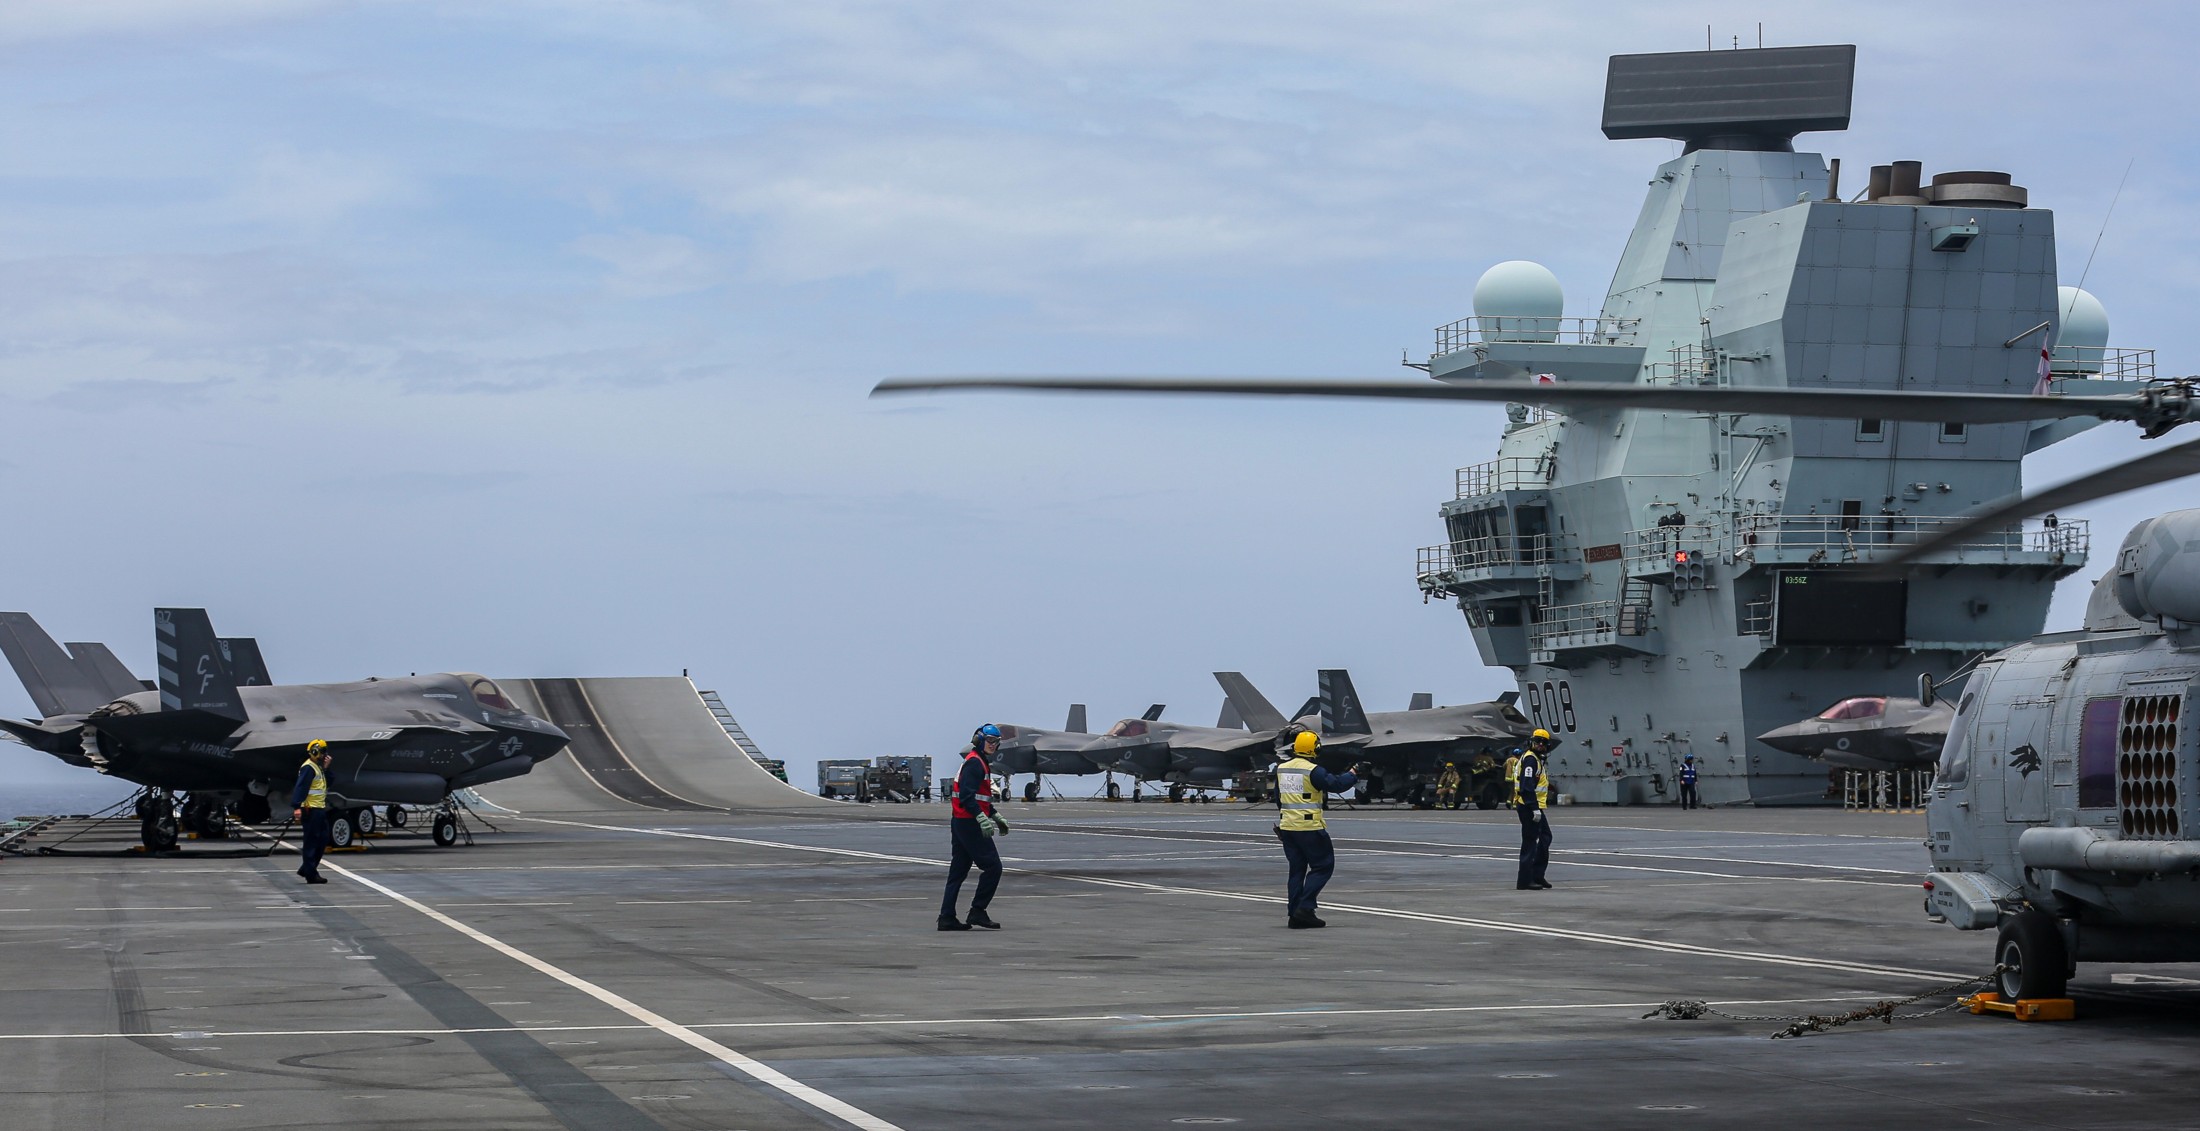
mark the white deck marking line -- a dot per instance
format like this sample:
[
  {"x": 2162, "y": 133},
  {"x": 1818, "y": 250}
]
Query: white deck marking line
[
  {"x": 755, "y": 1070},
  {"x": 1570, "y": 934},
  {"x": 1161, "y": 834},
  {"x": 877, "y": 1023},
  {"x": 1464, "y": 852}
]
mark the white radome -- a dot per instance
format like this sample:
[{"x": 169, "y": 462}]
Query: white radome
[
  {"x": 2081, "y": 333},
  {"x": 1519, "y": 301}
]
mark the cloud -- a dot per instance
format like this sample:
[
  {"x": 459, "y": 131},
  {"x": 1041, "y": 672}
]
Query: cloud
[
  {"x": 121, "y": 394},
  {"x": 313, "y": 187},
  {"x": 648, "y": 264},
  {"x": 28, "y": 22}
]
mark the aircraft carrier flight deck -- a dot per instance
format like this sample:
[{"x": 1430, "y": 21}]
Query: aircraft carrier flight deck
[{"x": 762, "y": 959}]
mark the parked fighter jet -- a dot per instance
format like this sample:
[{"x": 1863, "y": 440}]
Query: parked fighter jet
[
  {"x": 1150, "y": 748},
  {"x": 1869, "y": 732},
  {"x": 213, "y": 727},
  {"x": 1036, "y": 750},
  {"x": 1405, "y": 750}
]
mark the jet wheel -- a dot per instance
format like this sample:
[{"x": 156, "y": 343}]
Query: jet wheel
[
  {"x": 1115, "y": 792},
  {"x": 2034, "y": 962},
  {"x": 1176, "y": 792},
  {"x": 1031, "y": 791},
  {"x": 341, "y": 832},
  {"x": 395, "y": 815},
  {"x": 446, "y": 831}
]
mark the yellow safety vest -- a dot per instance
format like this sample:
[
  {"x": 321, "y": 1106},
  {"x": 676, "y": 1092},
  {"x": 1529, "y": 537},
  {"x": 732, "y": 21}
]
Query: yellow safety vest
[
  {"x": 317, "y": 793},
  {"x": 1296, "y": 796},
  {"x": 1542, "y": 779}
]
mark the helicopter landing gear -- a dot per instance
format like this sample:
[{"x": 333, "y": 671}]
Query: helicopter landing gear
[{"x": 2034, "y": 963}]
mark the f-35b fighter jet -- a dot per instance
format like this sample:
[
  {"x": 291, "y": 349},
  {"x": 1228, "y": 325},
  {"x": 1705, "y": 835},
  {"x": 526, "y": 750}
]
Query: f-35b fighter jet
[
  {"x": 1869, "y": 732},
  {"x": 1406, "y": 751},
  {"x": 213, "y": 726}
]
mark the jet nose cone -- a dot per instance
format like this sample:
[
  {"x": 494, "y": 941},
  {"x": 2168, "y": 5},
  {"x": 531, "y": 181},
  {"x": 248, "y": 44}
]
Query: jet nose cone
[
  {"x": 547, "y": 727},
  {"x": 1793, "y": 739}
]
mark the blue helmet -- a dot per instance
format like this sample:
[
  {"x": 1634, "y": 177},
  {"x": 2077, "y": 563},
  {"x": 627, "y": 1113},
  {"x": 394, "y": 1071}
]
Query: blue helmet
[{"x": 986, "y": 731}]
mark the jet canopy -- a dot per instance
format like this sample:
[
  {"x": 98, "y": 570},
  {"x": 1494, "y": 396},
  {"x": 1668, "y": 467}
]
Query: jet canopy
[
  {"x": 486, "y": 692},
  {"x": 1867, "y": 707}
]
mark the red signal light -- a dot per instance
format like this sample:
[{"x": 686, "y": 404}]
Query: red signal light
[{"x": 1680, "y": 557}]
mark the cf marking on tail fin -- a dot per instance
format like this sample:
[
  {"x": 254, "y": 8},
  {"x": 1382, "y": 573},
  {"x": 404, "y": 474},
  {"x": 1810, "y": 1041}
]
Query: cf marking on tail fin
[
  {"x": 1341, "y": 712},
  {"x": 192, "y": 674},
  {"x": 1252, "y": 708}
]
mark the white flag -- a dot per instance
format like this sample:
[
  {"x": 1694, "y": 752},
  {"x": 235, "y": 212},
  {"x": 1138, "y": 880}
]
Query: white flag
[{"x": 2039, "y": 389}]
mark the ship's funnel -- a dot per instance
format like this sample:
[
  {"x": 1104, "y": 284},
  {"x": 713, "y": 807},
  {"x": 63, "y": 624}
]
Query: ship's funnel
[{"x": 1736, "y": 100}]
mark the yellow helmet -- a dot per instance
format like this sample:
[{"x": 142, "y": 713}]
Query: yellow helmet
[
  {"x": 1542, "y": 734},
  {"x": 316, "y": 746},
  {"x": 1304, "y": 742}
]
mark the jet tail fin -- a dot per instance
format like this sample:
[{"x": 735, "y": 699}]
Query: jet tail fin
[
  {"x": 1076, "y": 723},
  {"x": 1340, "y": 704},
  {"x": 56, "y": 682},
  {"x": 1229, "y": 720},
  {"x": 192, "y": 674},
  {"x": 1422, "y": 701},
  {"x": 1153, "y": 713},
  {"x": 1251, "y": 707},
  {"x": 1312, "y": 706},
  {"x": 102, "y": 667},
  {"x": 246, "y": 666}
]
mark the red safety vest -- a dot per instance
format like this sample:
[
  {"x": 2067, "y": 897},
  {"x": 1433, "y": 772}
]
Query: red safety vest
[{"x": 985, "y": 788}]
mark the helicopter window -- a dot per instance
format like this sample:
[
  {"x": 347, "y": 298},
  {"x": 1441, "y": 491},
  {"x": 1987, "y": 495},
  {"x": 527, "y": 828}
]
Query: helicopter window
[
  {"x": 1955, "y": 756},
  {"x": 1869, "y": 708},
  {"x": 2097, "y": 754},
  {"x": 1128, "y": 728}
]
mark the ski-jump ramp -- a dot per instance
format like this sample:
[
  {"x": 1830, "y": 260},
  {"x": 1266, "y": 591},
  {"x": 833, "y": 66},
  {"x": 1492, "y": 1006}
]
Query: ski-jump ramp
[{"x": 640, "y": 744}]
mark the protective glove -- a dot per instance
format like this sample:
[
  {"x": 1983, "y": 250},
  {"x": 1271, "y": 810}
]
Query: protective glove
[
  {"x": 1539, "y": 815},
  {"x": 989, "y": 825},
  {"x": 1000, "y": 825}
]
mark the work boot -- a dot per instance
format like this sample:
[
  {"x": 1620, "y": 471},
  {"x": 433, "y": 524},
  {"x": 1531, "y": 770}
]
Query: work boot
[
  {"x": 979, "y": 918},
  {"x": 316, "y": 880},
  {"x": 1544, "y": 884},
  {"x": 1303, "y": 920},
  {"x": 950, "y": 923}
]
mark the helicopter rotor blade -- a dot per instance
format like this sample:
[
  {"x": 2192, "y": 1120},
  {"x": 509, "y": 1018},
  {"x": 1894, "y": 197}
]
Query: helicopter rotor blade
[
  {"x": 1854, "y": 404},
  {"x": 2163, "y": 465}
]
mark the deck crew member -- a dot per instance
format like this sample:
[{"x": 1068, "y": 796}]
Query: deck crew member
[
  {"x": 971, "y": 827},
  {"x": 309, "y": 805},
  {"x": 1300, "y": 788},
  {"x": 1531, "y": 785},
  {"x": 1688, "y": 782},
  {"x": 1447, "y": 787}
]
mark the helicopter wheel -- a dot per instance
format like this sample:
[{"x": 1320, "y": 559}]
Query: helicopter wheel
[
  {"x": 2034, "y": 963},
  {"x": 395, "y": 815},
  {"x": 364, "y": 819},
  {"x": 341, "y": 832}
]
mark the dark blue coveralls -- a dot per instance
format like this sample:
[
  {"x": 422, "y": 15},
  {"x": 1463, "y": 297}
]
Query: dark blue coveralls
[
  {"x": 1311, "y": 855},
  {"x": 313, "y": 827},
  {"x": 1688, "y": 785},
  {"x": 1535, "y": 829},
  {"x": 973, "y": 795}
]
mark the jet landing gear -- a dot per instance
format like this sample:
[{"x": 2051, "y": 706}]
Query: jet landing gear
[{"x": 156, "y": 814}]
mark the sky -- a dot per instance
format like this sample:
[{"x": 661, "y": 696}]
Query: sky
[{"x": 533, "y": 338}]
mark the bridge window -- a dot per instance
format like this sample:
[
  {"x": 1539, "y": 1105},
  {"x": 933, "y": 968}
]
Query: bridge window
[
  {"x": 1871, "y": 429},
  {"x": 1954, "y": 432}
]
